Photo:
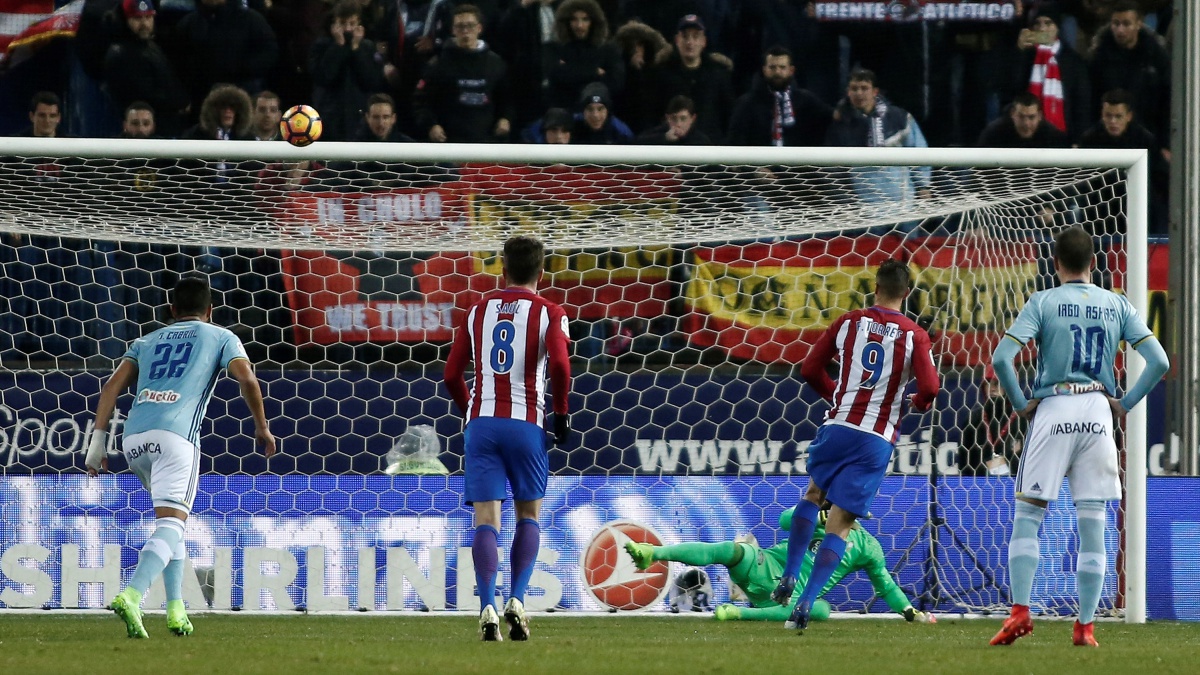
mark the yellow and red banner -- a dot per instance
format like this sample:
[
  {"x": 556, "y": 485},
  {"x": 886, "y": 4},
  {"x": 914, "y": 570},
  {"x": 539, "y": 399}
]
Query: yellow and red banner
[{"x": 770, "y": 302}]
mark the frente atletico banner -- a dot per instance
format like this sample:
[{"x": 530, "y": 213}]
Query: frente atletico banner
[
  {"x": 905, "y": 11},
  {"x": 361, "y": 296}
]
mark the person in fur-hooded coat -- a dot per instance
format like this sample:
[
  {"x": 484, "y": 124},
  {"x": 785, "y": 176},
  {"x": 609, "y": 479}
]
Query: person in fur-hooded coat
[{"x": 582, "y": 53}]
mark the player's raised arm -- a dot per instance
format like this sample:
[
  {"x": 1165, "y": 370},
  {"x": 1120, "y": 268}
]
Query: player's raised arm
[
  {"x": 456, "y": 366},
  {"x": 97, "y": 454},
  {"x": 240, "y": 370}
]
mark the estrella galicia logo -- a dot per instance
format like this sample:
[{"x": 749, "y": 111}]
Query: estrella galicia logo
[
  {"x": 609, "y": 574},
  {"x": 152, "y": 396}
]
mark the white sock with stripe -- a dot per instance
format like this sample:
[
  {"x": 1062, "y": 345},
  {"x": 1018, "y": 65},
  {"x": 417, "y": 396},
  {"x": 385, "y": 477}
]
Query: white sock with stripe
[
  {"x": 1023, "y": 551},
  {"x": 156, "y": 553},
  {"x": 1093, "y": 557}
]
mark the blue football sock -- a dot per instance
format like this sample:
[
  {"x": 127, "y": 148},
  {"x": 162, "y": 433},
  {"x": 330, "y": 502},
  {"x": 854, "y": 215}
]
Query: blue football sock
[
  {"x": 523, "y": 555},
  {"x": 804, "y": 523},
  {"x": 487, "y": 561},
  {"x": 156, "y": 553},
  {"x": 173, "y": 573},
  {"x": 1092, "y": 559},
  {"x": 1023, "y": 551},
  {"x": 828, "y": 556}
]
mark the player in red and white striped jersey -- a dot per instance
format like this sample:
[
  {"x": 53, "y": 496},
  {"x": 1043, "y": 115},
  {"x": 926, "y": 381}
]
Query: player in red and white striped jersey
[
  {"x": 510, "y": 337},
  {"x": 511, "y": 334},
  {"x": 879, "y": 351}
]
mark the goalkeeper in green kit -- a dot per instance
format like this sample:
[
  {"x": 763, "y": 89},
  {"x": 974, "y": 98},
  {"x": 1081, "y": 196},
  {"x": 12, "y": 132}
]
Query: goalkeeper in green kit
[{"x": 757, "y": 571}]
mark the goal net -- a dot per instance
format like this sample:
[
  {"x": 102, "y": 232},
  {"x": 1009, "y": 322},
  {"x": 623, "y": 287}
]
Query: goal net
[{"x": 695, "y": 281}]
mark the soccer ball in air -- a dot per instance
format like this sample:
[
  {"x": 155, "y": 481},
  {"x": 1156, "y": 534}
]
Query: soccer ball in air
[{"x": 300, "y": 125}]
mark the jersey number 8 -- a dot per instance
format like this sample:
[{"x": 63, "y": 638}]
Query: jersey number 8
[{"x": 502, "y": 353}]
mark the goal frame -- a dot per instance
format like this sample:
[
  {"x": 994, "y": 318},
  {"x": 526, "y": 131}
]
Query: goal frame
[{"x": 1134, "y": 162}]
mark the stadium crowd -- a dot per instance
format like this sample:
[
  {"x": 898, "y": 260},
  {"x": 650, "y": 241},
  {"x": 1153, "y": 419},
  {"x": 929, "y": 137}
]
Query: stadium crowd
[
  {"x": 758, "y": 72},
  {"x": 1086, "y": 73}
]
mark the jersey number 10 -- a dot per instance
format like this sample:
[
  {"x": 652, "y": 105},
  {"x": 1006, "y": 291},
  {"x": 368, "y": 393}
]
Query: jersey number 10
[{"x": 1089, "y": 349}]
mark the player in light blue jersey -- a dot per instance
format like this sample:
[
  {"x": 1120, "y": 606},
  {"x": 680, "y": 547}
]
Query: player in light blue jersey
[
  {"x": 176, "y": 369},
  {"x": 1078, "y": 328}
]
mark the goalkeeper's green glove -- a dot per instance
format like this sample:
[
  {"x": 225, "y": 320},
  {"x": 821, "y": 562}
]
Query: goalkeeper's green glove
[
  {"x": 911, "y": 615},
  {"x": 728, "y": 612}
]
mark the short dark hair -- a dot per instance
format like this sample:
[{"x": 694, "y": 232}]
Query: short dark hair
[
  {"x": 1026, "y": 98},
  {"x": 374, "y": 99},
  {"x": 894, "y": 280},
  {"x": 267, "y": 94},
  {"x": 1127, "y": 6},
  {"x": 524, "y": 257},
  {"x": 192, "y": 295},
  {"x": 346, "y": 9},
  {"x": 467, "y": 9},
  {"x": 139, "y": 105},
  {"x": 1074, "y": 250},
  {"x": 779, "y": 50},
  {"x": 680, "y": 103},
  {"x": 864, "y": 75},
  {"x": 44, "y": 98},
  {"x": 1118, "y": 97}
]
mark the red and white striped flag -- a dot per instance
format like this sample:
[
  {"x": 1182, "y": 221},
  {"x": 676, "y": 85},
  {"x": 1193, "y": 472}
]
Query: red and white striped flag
[{"x": 26, "y": 23}]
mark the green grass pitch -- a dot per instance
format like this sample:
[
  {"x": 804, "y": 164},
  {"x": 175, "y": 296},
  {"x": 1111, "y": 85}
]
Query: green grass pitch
[{"x": 564, "y": 645}]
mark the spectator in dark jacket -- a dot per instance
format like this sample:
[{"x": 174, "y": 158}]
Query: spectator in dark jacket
[
  {"x": 680, "y": 126},
  {"x": 1119, "y": 130},
  {"x": 139, "y": 121},
  {"x": 582, "y": 54},
  {"x": 464, "y": 95},
  {"x": 45, "y": 114},
  {"x": 864, "y": 119},
  {"x": 379, "y": 122},
  {"x": 554, "y": 128},
  {"x": 527, "y": 45},
  {"x": 639, "y": 45},
  {"x": 1129, "y": 56},
  {"x": 1023, "y": 127},
  {"x": 267, "y": 115},
  {"x": 224, "y": 115},
  {"x": 222, "y": 41},
  {"x": 687, "y": 69},
  {"x": 345, "y": 72},
  {"x": 136, "y": 69},
  {"x": 1055, "y": 73},
  {"x": 776, "y": 111},
  {"x": 596, "y": 125}
]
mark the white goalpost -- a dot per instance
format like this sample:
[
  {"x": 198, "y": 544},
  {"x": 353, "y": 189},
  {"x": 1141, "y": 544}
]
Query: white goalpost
[{"x": 695, "y": 278}]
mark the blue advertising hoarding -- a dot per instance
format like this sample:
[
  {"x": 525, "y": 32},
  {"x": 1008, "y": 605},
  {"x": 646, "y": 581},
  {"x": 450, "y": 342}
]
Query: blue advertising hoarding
[{"x": 277, "y": 542}]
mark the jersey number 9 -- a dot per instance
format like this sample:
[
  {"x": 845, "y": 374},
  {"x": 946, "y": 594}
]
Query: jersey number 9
[{"x": 872, "y": 363}]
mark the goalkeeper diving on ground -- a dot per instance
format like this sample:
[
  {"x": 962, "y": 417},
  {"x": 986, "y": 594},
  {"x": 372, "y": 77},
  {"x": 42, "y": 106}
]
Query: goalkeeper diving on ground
[{"x": 757, "y": 571}]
